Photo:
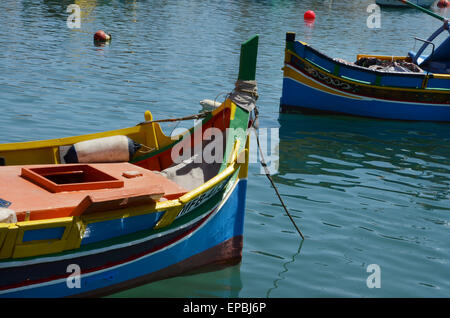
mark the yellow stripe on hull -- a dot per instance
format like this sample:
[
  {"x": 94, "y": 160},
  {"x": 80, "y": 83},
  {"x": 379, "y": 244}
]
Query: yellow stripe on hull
[{"x": 299, "y": 77}]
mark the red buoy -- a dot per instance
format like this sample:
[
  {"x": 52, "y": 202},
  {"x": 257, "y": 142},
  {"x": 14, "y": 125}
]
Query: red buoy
[
  {"x": 443, "y": 4},
  {"x": 102, "y": 36},
  {"x": 309, "y": 15}
]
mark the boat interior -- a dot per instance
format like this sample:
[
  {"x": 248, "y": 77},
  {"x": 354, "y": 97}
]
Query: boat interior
[{"x": 36, "y": 183}]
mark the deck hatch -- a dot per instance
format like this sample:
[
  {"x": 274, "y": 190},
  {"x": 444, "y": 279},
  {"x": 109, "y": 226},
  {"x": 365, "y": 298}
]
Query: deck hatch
[{"x": 71, "y": 178}]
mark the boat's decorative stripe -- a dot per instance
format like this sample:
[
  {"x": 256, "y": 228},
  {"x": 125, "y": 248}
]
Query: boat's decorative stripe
[
  {"x": 292, "y": 73},
  {"x": 362, "y": 90},
  {"x": 198, "y": 201},
  {"x": 358, "y": 73},
  {"x": 303, "y": 79}
]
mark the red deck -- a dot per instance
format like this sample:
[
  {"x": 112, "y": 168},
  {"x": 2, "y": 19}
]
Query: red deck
[{"x": 64, "y": 190}]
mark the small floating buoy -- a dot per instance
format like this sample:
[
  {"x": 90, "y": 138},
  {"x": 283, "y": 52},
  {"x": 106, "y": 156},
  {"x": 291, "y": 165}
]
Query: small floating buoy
[
  {"x": 309, "y": 15},
  {"x": 102, "y": 36},
  {"x": 443, "y": 4}
]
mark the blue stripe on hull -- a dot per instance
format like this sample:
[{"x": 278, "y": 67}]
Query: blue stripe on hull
[
  {"x": 227, "y": 223},
  {"x": 99, "y": 231},
  {"x": 298, "y": 94}
]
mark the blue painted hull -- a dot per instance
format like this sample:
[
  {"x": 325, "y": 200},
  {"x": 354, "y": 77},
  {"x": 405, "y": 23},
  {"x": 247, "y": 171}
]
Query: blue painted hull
[
  {"x": 296, "y": 94},
  {"x": 215, "y": 239}
]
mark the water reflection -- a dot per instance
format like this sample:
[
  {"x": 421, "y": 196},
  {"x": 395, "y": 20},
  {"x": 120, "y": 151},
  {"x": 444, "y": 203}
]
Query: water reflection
[
  {"x": 341, "y": 153},
  {"x": 281, "y": 275},
  {"x": 309, "y": 23},
  {"x": 100, "y": 43},
  {"x": 225, "y": 283}
]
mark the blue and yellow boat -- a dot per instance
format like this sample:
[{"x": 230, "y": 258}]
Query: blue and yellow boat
[
  {"x": 314, "y": 82},
  {"x": 76, "y": 222}
]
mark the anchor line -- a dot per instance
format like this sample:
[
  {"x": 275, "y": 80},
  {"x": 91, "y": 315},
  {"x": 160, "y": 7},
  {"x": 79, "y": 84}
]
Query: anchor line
[{"x": 267, "y": 173}]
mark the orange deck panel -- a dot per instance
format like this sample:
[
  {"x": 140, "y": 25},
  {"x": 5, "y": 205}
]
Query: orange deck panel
[{"x": 26, "y": 195}]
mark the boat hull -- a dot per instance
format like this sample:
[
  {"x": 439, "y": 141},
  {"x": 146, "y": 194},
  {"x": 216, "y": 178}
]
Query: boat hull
[
  {"x": 314, "y": 82},
  {"x": 300, "y": 97},
  {"x": 208, "y": 242}
]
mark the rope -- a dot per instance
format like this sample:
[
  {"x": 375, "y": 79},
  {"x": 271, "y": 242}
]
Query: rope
[
  {"x": 227, "y": 94},
  {"x": 147, "y": 149},
  {"x": 196, "y": 116},
  {"x": 267, "y": 173},
  {"x": 248, "y": 87}
]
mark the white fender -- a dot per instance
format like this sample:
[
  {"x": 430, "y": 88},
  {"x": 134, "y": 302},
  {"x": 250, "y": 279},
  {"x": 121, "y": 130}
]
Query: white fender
[{"x": 107, "y": 149}]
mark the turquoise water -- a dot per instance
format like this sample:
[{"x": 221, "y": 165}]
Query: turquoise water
[{"x": 362, "y": 191}]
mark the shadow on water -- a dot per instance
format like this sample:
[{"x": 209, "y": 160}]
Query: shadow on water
[{"x": 225, "y": 283}]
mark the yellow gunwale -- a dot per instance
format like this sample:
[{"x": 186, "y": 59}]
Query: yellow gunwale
[
  {"x": 291, "y": 72},
  {"x": 441, "y": 76},
  {"x": 383, "y": 57}
]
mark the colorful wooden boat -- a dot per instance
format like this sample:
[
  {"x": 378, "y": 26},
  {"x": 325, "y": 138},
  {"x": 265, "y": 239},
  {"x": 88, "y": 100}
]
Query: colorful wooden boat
[
  {"x": 94, "y": 228},
  {"x": 314, "y": 82}
]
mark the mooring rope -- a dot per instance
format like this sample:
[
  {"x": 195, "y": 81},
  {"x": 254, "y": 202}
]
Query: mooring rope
[
  {"x": 165, "y": 120},
  {"x": 267, "y": 173},
  {"x": 146, "y": 149}
]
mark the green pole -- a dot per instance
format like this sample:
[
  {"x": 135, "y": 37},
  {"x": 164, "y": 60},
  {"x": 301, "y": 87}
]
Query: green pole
[
  {"x": 437, "y": 16},
  {"x": 247, "y": 63},
  {"x": 290, "y": 39}
]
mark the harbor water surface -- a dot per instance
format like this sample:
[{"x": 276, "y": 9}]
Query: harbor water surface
[{"x": 362, "y": 191}]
